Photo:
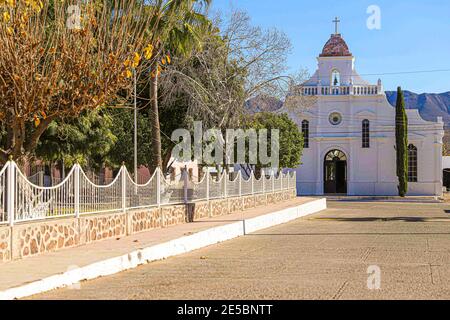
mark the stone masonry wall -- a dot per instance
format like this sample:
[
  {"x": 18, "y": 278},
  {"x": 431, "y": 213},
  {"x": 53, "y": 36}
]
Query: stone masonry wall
[
  {"x": 249, "y": 202},
  {"x": 5, "y": 244},
  {"x": 219, "y": 207},
  {"x": 235, "y": 204},
  {"x": 103, "y": 226},
  {"x": 201, "y": 210},
  {"x": 32, "y": 238},
  {"x": 173, "y": 215},
  {"x": 145, "y": 219}
]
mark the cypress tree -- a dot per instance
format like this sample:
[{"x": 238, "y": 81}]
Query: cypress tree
[{"x": 401, "y": 138}]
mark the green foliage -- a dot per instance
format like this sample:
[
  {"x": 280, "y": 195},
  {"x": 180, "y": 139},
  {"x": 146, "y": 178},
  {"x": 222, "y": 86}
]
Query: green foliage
[
  {"x": 86, "y": 140},
  {"x": 401, "y": 138},
  {"x": 175, "y": 25},
  {"x": 123, "y": 130},
  {"x": 291, "y": 140}
]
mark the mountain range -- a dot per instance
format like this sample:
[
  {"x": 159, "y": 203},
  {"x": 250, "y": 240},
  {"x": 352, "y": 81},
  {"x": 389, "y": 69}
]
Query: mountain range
[{"x": 430, "y": 105}]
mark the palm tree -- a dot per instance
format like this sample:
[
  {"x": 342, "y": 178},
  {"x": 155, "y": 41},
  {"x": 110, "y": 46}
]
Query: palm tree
[{"x": 176, "y": 26}]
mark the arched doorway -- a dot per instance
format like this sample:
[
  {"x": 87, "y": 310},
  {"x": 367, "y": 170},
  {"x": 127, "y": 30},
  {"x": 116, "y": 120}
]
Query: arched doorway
[
  {"x": 335, "y": 172},
  {"x": 446, "y": 178}
]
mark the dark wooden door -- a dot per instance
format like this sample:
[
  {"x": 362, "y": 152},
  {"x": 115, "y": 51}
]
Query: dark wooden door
[{"x": 335, "y": 177}]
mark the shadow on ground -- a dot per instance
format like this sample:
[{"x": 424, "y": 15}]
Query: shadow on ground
[{"x": 382, "y": 219}]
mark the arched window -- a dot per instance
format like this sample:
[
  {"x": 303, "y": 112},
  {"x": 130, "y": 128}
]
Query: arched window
[
  {"x": 366, "y": 134},
  {"x": 412, "y": 163},
  {"x": 335, "y": 79},
  {"x": 305, "y": 132}
]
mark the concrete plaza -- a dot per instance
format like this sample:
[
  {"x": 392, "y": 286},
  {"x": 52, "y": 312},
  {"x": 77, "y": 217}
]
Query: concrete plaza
[{"x": 323, "y": 256}]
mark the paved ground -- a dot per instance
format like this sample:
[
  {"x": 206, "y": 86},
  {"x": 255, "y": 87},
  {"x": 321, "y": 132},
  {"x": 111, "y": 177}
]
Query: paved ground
[
  {"x": 17, "y": 273},
  {"x": 325, "y": 256}
]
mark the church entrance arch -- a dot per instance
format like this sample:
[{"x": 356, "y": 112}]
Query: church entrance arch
[{"x": 335, "y": 172}]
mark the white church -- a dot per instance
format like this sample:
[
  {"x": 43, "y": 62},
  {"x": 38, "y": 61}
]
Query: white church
[{"x": 349, "y": 134}]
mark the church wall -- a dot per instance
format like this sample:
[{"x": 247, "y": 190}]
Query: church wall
[
  {"x": 371, "y": 171},
  {"x": 343, "y": 65}
]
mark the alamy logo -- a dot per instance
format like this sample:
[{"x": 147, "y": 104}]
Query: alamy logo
[
  {"x": 74, "y": 272},
  {"x": 238, "y": 147},
  {"x": 374, "y": 20},
  {"x": 374, "y": 279},
  {"x": 74, "y": 19}
]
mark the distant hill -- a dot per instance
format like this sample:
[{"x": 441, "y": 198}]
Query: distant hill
[
  {"x": 263, "y": 103},
  {"x": 430, "y": 105}
]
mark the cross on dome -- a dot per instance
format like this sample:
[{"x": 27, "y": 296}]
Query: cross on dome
[{"x": 336, "y": 22}]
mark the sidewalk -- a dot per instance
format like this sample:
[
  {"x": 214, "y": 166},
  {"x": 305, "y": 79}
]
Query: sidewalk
[
  {"x": 408, "y": 199},
  {"x": 68, "y": 266}
]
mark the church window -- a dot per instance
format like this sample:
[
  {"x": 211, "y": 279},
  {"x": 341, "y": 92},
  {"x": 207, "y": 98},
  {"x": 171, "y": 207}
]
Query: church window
[
  {"x": 335, "y": 118},
  {"x": 366, "y": 134},
  {"x": 305, "y": 132},
  {"x": 336, "y": 78},
  {"x": 412, "y": 163}
]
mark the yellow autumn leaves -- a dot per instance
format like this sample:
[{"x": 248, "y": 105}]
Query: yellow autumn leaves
[
  {"x": 148, "y": 51},
  {"x": 6, "y": 17},
  {"x": 20, "y": 11},
  {"x": 36, "y": 119},
  {"x": 35, "y": 5},
  {"x": 132, "y": 63}
]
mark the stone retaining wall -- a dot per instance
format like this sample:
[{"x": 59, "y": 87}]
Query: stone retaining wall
[
  {"x": 5, "y": 244},
  {"x": 31, "y": 238}
]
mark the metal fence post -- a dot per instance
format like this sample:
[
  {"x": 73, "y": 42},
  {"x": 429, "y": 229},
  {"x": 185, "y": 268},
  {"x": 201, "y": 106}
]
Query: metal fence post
[
  {"x": 281, "y": 180},
  {"x": 252, "y": 176},
  {"x": 288, "y": 182},
  {"x": 295, "y": 179},
  {"x": 263, "y": 177},
  {"x": 240, "y": 183},
  {"x": 273, "y": 181},
  {"x": 225, "y": 180},
  {"x": 158, "y": 187},
  {"x": 124, "y": 188},
  {"x": 207, "y": 184},
  {"x": 185, "y": 185},
  {"x": 77, "y": 190},
  {"x": 11, "y": 191}
]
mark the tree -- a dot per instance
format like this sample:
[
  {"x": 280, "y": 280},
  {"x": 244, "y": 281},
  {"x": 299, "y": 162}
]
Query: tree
[
  {"x": 401, "y": 138},
  {"x": 86, "y": 140},
  {"x": 52, "y": 67},
  {"x": 123, "y": 131},
  {"x": 291, "y": 139},
  {"x": 212, "y": 84},
  {"x": 176, "y": 25},
  {"x": 260, "y": 54},
  {"x": 238, "y": 61},
  {"x": 446, "y": 143}
]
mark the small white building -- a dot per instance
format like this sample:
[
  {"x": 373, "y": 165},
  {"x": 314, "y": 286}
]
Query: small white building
[{"x": 349, "y": 132}]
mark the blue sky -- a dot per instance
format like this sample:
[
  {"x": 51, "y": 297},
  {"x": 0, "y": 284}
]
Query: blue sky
[{"x": 414, "y": 36}]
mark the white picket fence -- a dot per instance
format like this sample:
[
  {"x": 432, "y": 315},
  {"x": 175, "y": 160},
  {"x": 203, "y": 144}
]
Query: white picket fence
[{"x": 21, "y": 200}]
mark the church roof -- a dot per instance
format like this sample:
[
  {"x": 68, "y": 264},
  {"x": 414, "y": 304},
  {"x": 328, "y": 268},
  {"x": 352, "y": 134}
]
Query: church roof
[{"x": 335, "y": 47}]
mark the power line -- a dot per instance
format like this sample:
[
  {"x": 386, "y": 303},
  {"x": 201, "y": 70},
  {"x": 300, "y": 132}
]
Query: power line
[
  {"x": 393, "y": 73},
  {"x": 405, "y": 72}
]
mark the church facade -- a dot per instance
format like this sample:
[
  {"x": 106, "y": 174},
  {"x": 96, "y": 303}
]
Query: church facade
[{"x": 349, "y": 134}]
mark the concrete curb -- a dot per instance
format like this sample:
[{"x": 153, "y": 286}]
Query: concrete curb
[{"x": 164, "y": 250}]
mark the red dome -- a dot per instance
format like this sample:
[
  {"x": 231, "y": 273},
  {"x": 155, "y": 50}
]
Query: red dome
[{"x": 335, "y": 47}]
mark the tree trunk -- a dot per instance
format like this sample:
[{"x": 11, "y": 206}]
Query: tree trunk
[
  {"x": 401, "y": 138},
  {"x": 156, "y": 135}
]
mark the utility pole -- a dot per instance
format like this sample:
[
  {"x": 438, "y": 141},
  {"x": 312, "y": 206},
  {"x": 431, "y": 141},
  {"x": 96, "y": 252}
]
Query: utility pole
[{"x": 135, "y": 129}]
